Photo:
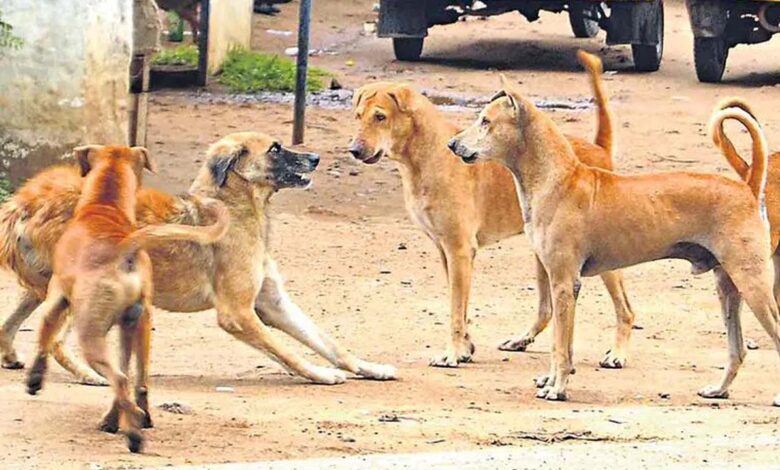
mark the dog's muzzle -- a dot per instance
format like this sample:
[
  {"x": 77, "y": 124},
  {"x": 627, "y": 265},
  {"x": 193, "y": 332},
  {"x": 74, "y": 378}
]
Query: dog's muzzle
[
  {"x": 358, "y": 151},
  {"x": 292, "y": 168},
  {"x": 468, "y": 156}
]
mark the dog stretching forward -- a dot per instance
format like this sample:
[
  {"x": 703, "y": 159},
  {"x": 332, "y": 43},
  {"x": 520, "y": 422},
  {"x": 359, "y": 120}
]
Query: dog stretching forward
[
  {"x": 103, "y": 275},
  {"x": 582, "y": 221}
]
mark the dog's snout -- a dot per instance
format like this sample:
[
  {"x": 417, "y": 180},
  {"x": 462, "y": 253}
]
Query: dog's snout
[
  {"x": 355, "y": 149},
  {"x": 453, "y": 144},
  {"x": 314, "y": 159}
]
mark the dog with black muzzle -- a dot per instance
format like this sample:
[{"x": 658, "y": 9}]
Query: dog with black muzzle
[{"x": 237, "y": 276}]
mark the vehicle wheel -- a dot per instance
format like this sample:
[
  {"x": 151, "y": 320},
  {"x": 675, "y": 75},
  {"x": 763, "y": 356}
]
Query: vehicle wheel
[
  {"x": 580, "y": 19},
  {"x": 408, "y": 49},
  {"x": 647, "y": 57},
  {"x": 710, "y": 56}
]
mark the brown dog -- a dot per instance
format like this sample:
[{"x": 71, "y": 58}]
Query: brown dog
[
  {"x": 102, "y": 274},
  {"x": 236, "y": 275},
  {"x": 463, "y": 208},
  {"x": 582, "y": 221}
]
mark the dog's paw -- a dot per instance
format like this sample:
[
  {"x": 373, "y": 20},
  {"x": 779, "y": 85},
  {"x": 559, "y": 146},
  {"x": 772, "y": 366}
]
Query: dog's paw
[
  {"x": 93, "y": 380},
  {"x": 460, "y": 353},
  {"x": 11, "y": 361},
  {"x": 516, "y": 344},
  {"x": 614, "y": 360},
  {"x": 373, "y": 371},
  {"x": 551, "y": 394},
  {"x": 108, "y": 425},
  {"x": 445, "y": 360},
  {"x": 713, "y": 391},
  {"x": 543, "y": 381},
  {"x": 135, "y": 441},
  {"x": 327, "y": 376}
]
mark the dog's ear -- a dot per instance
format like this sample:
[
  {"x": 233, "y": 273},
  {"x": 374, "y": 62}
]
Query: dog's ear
[
  {"x": 508, "y": 90},
  {"x": 362, "y": 94},
  {"x": 223, "y": 157},
  {"x": 402, "y": 96},
  {"x": 82, "y": 155},
  {"x": 145, "y": 158}
]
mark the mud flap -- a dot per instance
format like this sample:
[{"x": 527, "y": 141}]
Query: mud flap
[
  {"x": 708, "y": 17},
  {"x": 402, "y": 19},
  {"x": 634, "y": 23}
]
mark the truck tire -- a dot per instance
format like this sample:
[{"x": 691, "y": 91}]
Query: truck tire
[
  {"x": 710, "y": 56},
  {"x": 408, "y": 49},
  {"x": 580, "y": 19},
  {"x": 647, "y": 57}
]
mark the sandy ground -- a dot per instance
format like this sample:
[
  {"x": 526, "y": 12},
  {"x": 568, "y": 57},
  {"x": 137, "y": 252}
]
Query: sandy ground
[{"x": 340, "y": 243}]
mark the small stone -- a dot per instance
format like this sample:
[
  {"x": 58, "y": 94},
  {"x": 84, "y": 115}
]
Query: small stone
[
  {"x": 335, "y": 84},
  {"x": 751, "y": 344}
]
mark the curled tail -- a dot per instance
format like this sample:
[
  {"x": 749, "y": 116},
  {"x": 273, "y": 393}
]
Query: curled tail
[
  {"x": 153, "y": 235},
  {"x": 755, "y": 174},
  {"x": 604, "y": 130},
  {"x": 724, "y": 143}
]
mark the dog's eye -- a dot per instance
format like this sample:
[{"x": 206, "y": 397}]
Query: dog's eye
[
  {"x": 275, "y": 148},
  {"x": 379, "y": 117},
  {"x": 485, "y": 122}
]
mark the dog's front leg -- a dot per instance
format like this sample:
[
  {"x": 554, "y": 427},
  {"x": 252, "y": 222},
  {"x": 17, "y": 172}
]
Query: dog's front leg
[
  {"x": 459, "y": 267},
  {"x": 564, "y": 288},
  {"x": 276, "y": 310},
  {"x": 544, "y": 314},
  {"x": 243, "y": 323}
]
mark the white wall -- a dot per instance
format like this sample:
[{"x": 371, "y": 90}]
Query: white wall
[{"x": 68, "y": 83}]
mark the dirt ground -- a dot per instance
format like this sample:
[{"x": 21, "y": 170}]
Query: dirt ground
[{"x": 340, "y": 247}]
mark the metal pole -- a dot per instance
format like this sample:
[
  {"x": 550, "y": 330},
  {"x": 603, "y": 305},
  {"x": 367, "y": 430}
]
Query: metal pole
[{"x": 304, "y": 18}]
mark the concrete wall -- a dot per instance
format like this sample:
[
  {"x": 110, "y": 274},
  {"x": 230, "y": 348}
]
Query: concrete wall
[
  {"x": 230, "y": 25},
  {"x": 68, "y": 83}
]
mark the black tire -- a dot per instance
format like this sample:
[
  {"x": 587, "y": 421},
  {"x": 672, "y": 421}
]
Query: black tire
[
  {"x": 580, "y": 19},
  {"x": 710, "y": 56},
  {"x": 647, "y": 58},
  {"x": 408, "y": 49}
]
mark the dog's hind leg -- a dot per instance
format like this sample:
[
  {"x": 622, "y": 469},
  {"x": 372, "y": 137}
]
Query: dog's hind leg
[
  {"x": 460, "y": 266},
  {"x": 730, "y": 304},
  {"x": 276, "y": 310},
  {"x": 756, "y": 289},
  {"x": 544, "y": 314},
  {"x": 27, "y": 304},
  {"x": 617, "y": 357}
]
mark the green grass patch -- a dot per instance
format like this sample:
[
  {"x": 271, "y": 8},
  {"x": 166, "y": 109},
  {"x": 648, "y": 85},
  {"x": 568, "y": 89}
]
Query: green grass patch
[
  {"x": 179, "y": 55},
  {"x": 251, "y": 72},
  {"x": 5, "y": 189}
]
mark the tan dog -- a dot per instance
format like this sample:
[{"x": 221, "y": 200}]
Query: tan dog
[
  {"x": 237, "y": 275},
  {"x": 463, "y": 208},
  {"x": 582, "y": 221},
  {"x": 103, "y": 275}
]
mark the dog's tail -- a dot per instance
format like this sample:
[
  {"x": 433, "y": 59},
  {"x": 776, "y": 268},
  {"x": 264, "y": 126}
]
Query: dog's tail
[
  {"x": 11, "y": 215},
  {"x": 153, "y": 235},
  {"x": 754, "y": 175},
  {"x": 604, "y": 130},
  {"x": 724, "y": 143}
]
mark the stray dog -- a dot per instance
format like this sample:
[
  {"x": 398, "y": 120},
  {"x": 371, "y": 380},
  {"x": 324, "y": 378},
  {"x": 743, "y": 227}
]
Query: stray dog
[
  {"x": 582, "y": 221},
  {"x": 102, "y": 274},
  {"x": 237, "y": 275},
  {"x": 463, "y": 208}
]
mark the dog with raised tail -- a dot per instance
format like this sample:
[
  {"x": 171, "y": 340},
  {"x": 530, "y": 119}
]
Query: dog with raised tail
[
  {"x": 102, "y": 275},
  {"x": 582, "y": 221}
]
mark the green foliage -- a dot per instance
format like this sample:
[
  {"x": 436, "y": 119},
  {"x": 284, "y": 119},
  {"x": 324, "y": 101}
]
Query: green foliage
[
  {"x": 251, "y": 72},
  {"x": 7, "y": 38},
  {"x": 179, "y": 55},
  {"x": 5, "y": 189}
]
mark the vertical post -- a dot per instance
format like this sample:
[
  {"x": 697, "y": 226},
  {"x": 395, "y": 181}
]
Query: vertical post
[
  {"x": 304, "y": 18},
  {"x": 203, "y": 42}
]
